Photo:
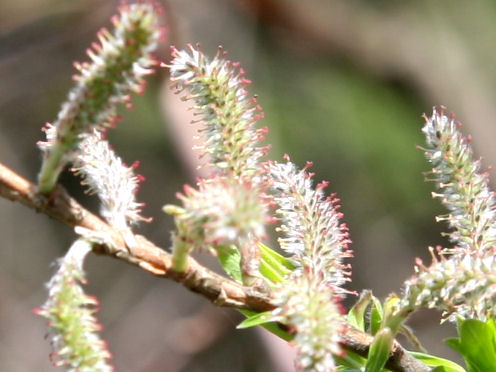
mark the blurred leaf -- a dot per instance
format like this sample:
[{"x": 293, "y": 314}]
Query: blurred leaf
[
  {"x": 476, "y": 343},
  {"x": 376, "y": 315},
  {"x": 379, "y": 350},
  {"x": 356, "y": 315},
  {"x": 433, "y": 361},
  {"x": 350, "y": 362}
]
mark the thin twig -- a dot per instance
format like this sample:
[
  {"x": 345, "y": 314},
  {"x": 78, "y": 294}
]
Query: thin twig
[{"x": 139, "y": 251}]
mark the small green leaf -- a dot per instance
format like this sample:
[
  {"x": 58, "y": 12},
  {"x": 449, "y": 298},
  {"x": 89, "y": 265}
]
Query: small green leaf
[
  {"x": 229, "y": 257},
  {"x": 476, "y": 343},
  {"x": 273, "y": 266},
  {"x": 265, "y": 320},
  {"x": 376, "y": 316},
  {"x": 350, "y": 361},
  {"x": 379, "y": 350},
  {"x": 392, "y": 318},
  {"x": 257, "y": 319},
  {"x": 283, "y": 261},
  {"x": 356, "y": 315},
  {"x": 434, "y": 361}
]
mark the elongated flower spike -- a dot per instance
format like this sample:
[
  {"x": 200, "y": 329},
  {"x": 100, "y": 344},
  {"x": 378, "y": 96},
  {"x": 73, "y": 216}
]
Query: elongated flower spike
[
  {"x": 70, "y": 312},
  {"x": 463, "y": 189},
  {"x": 462, "y": 281},
  {"x": 114, "y": 182},
  {"x": 313, "y": 233},
  {"x": 118, "y": 65},
  {"x": 230, "y": 207},
  {"x": 229, "y": 114},
  {"x": 309, "y": 301}
]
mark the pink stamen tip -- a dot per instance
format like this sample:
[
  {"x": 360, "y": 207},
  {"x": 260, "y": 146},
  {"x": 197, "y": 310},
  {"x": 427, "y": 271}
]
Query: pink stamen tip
[
  {"x": 188, "y": 189},
  {"x": 323, "y": 185},
  {"x": 37, "y": 311}
]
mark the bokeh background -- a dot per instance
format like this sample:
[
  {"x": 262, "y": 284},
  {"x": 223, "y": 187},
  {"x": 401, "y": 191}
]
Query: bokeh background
[{"x": 342, "y": 83}]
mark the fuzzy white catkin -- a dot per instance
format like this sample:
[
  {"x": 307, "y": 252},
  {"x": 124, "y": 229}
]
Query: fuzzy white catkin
[
  {"x": 461, "y": 280},
  {"x": 114, "y": 182},
  {"x": 309, "y": 300}
]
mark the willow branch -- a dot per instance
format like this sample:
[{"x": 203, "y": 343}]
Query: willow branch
[
  {"x": 139, "y": 251},
  {"x": 136, "y": 250}
]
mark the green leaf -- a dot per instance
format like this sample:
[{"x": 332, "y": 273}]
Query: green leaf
[
  {"x": 356, "y": 315},
  {"x": 257, "y": 319},
  {"x": 391, "y": 317},
  {"x": 273, "y": 266},
  {"x": 376, "y": 316},
  {"x": 434, "y": 361},
  {"x": 379, "y": 350},
  {"x": 476, "y": 343},
  {"x": 350, "y": 361},
  {"x": 283, "y": 261},
  {"x": 264, "y": 320},
  {"x": 229, "y": 257}
]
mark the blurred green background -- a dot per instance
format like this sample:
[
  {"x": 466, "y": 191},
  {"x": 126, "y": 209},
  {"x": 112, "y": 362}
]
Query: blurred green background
[{"x": 342, "y": 83}]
